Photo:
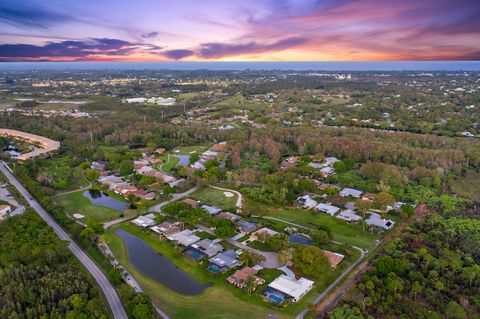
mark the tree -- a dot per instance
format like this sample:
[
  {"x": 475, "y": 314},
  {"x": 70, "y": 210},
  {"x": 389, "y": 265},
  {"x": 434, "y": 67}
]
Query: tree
[
  {"x": 115, "y": 276},
  {"x": 159, "y": 218},
  {"x": 250, "y": 284},
  {"x": 340, "y": 166},
  {"x": 383, "y": 200},
  {"x": 320, "y": 237},
  {"x": 455, "y": 311},
  {"x": 92, "y": 175},
  {"x": 416, "y": 289},
  {"x": 407, "y": 209},
  {"x": 311, "y": 261},
  {"x": 126, "y": 168},
  {"x": 142, "y": 311}
]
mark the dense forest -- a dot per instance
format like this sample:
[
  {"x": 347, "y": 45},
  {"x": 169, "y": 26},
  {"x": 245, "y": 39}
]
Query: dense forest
[{"x": 39, "y": 277}]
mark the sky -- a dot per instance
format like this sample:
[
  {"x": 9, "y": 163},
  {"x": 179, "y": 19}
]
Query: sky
[{"x": 239, "y": 30}]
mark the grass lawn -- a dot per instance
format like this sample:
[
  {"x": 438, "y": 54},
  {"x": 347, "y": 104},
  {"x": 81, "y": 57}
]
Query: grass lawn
[
  {"x": 172, "y": 161},
  {"x": 467, "y": 186},
  {"x": 218, "y": 301},
  {"x": 77, "y": 203},
  {"x": 351, "y": 234},
  {"x": 215, "y": 197},
  {"x": 187, "y": 150}
]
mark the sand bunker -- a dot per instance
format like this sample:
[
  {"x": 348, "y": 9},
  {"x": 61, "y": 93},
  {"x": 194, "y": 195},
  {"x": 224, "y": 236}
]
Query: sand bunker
[
  {"x": 228, "y": 194},
  {"x": 78, "y": 216}
]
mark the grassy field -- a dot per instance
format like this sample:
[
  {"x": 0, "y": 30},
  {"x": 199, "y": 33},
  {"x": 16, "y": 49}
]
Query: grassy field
[
  {"x": 467, "y": 187},
  {"x": 77, "y": 203},
  {"x": 212, "y": 196},
  {"x": 351, "y": 234},
  {"x": 187, "y": 150},
  {"x": 172, "y": 161}
]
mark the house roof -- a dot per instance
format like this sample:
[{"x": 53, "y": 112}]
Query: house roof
[
  {"x": 212, "y": 210},
  {"x": 143, "y": 221},
  {"x": 376, "y": 220},
  {"x": 351, "y": 192},
  {"x": 348, "y": 215},
  {"x": 240, "y": 276},
  {"x": 191, "y": 202},
  {"x": 333, "y": 258},
  {"x": 230, "y": 216},
  {"x": 226, "y": 259},
  {"x": 331, "y": 210},
  {"x": 291, "y": 286},
  {"x": 185, "y": 237},
  {"x": 247, "y": 226},
  {"x": 208, "y": 247}
]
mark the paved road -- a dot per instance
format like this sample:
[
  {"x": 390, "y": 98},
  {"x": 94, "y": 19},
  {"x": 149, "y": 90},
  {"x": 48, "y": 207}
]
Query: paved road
[
  {"x": 117, "y": 221},
  {"x": 177, "y": 196},
  {"x": 110, "y": 293}
]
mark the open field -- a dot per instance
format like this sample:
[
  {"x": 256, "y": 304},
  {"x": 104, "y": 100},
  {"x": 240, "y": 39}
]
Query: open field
[
  {"x": 77, "y": 203},
  {"x": 189, "y": 150},
  {"x": 351, "y": 234},
  {"x": 171, "y": 162},
  {"x": 212, "y": 196},
  {"x": 467, "y": 187}
]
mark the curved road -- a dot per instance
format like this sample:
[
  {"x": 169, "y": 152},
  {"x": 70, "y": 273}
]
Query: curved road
[{"x": 107, "y": 288}]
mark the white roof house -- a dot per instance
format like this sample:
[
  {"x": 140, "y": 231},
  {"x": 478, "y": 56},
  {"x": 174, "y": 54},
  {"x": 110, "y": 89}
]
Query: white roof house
[
  {"x": 327, "y": 170},
  {"x": 377, "y": 220},
  {"x": 184, "y": 238},
  {"x": 208, "y": 247},
  {"x": 331, "y": 210},
  {"x": 351, "y": 192},
  {"x": 268, "y": 231},
  {"x": 349, "y": 216},
  {"x": 212, "y": 210},
  {"x": 292, "y": 287},
  {"x": 331, "y": 160},
  {"x": 307, "y": 201},
  {"x": 143, "y": 221},
  {"x": 136, "y": 100}
]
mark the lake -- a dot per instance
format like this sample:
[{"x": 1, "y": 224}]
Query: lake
[
  {"x": 158, "y": 267},
  {"x": 102, "y": 199}
]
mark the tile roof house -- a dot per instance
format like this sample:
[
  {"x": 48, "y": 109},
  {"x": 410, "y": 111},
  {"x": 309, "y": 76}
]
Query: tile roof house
[
  {"x": 229, "y": 216},
  {"x": 166, "y": 229},
  {"x": 224, "y": 261},
  {"x": 331, "y": 210},
  {"x": 193, "y": 203},
  {"x": 240, "y": 277},
  {"x": 333, "y": 258},
  {"x": 369, "y": 196}
]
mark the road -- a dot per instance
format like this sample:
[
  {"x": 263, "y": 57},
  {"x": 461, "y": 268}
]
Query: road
[
  {"x": 175, "y": 197},
  {"x": 113, "y": 300}
]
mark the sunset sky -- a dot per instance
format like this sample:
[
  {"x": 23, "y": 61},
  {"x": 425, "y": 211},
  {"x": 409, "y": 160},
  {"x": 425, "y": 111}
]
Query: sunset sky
[{"x": 239, "y": 30}]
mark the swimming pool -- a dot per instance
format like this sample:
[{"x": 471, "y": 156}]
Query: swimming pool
[{"x": 275, "y": 298}]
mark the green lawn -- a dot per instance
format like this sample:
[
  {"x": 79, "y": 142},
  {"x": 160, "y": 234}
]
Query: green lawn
[
  {"x": 172, "y": 161},
  {"x": 351, "y": 234},
  {"x": 215, "y": 197},
  {"x": 77, "y": 203},
  {"x": 467, "y": 186}
]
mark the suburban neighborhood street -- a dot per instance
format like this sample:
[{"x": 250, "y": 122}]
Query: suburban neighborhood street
[
  {"x": 113, "y": 300},
  {"x": 175, "y": 197}
]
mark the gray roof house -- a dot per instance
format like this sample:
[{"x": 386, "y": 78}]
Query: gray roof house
[
  {"x": 307, "y": 201},
  {"x": 351, "y": 192},
  {"x": 330, "y": 210},
  {"x": 376, "y": 220},
  {"x": 247, "y": 226},
  {"x": 224, "y": 261},
  {"x": 204, "y": 248},
  {"x": 212, "y": 210},
  {"x": 349, "y": 216}
]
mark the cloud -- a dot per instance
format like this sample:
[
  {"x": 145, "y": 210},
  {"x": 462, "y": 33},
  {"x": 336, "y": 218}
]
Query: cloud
[
  {"x": 31, "y": 17},
  {"x": 150, "y": 35},
  {"x": 219, "y": 50},
  {"x": 72, "y": 50},
  {"x": 178, "y": 54}
]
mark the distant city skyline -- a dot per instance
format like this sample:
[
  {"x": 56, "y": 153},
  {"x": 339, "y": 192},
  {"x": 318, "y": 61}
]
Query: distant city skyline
[{"x": 244, "y": 30}]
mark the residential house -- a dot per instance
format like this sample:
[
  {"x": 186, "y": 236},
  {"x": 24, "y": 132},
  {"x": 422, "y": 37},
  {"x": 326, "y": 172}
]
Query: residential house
[
  {"x": 229, "y": 216},
  {"x": 333, "y": 258},
  {"x": 239, "y": 277},
  {"x": 290, "y": 162},
  {"x": 166, "y": 229},
  {"x": 220, "y": 147},
  {"x": 4, "y": 211},
  {"x": 205, "y": 248},
  {"x": 326, "y": 171},
  {"x": 247, "y": 227},
  {"x": 329, "y": 209},
  {"x": 376, "y": 220},
  {"x": 286, "y": 288},
  {"x": 144, "y": 221},
  {"x": 331, "y": 160},
  {"x": 224, "y": 261},
  {"x": 193, "y": 203},
  {"x": 185, "y": 237},
  {"x": 348, "y": 216},
  {"x": 307, "y": 201},
  {"x": 98, "y": 166},
  {"x": 351, "y": 192},
  {"x": 369, "y": 197},
  {"x": 160, "y": 151},
  {"x": 264, "y": 233},
  {"x": 212, "y": 210}
]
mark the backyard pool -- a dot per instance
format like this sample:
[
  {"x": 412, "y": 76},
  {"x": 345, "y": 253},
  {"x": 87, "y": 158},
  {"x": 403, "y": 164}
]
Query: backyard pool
[
  {"x": 158, "y": 267},
  {"x": 299, "y": 239},
  {"x": 102, "y": 199}
]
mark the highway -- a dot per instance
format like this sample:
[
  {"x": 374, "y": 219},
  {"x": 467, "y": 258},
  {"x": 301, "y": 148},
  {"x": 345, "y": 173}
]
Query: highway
[{"x": 110, "y": 293}]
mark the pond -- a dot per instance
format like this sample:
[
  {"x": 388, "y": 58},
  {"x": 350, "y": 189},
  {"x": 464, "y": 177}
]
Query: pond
[
  {"x": 158, "y": 267},
  {"x": 299, "y": 239},
  {"x": 102, "y": 199}
]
